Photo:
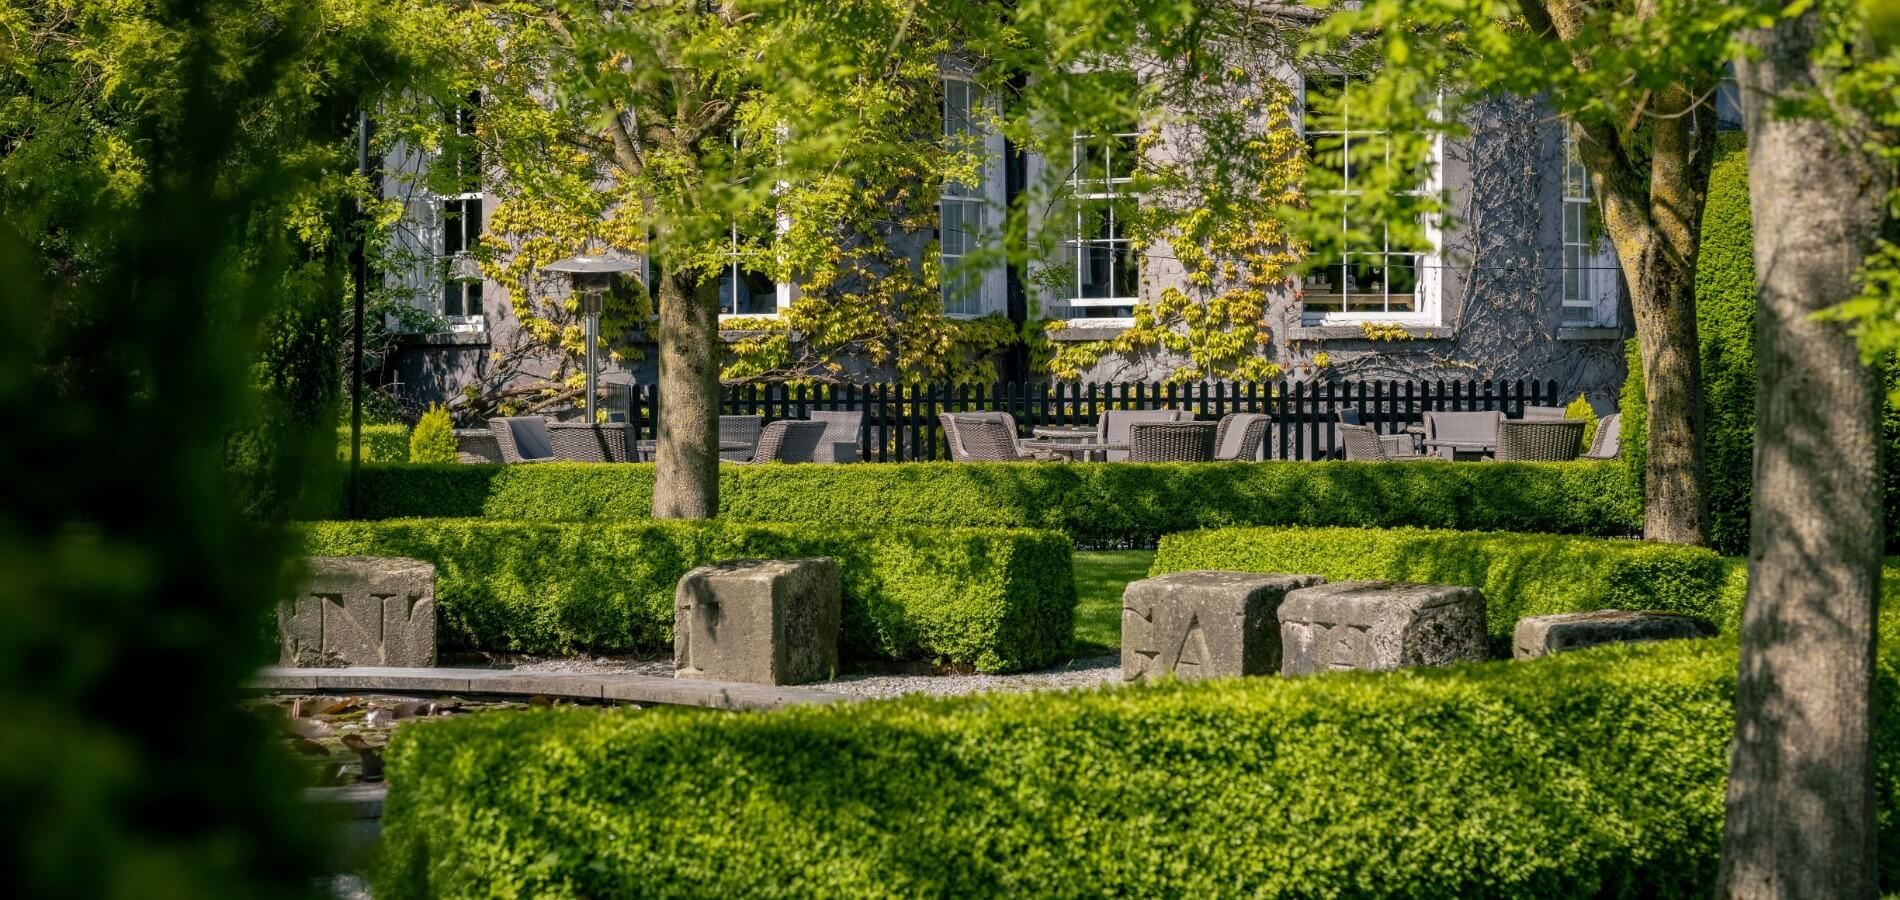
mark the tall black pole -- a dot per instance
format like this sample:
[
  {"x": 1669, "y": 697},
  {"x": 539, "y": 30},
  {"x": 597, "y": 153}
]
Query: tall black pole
[{"x": 359, "y": 265}]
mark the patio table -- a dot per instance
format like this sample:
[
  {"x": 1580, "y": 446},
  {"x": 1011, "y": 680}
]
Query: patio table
[
  {"x": 1081, "y": 450},
  {"x": 1065, "y": 432},
  {"x": 646, "y": 448},
  {"x": 1450, "y": 449}
]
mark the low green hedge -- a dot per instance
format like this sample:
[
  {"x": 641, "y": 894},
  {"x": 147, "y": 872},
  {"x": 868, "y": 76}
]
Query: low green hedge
[
  {"x": 993, "y": 598},
  {"x": 1593, "y": 774},
  {"x": 1090, "y": 503},
  {"x": 1521, "y": 574},
  {"x": 381, "y": 443}
]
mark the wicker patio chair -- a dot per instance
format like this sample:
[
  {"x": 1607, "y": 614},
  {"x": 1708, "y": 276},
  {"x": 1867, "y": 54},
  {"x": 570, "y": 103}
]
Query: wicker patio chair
[
  {"x": 1543, "y": 412},
  {"x": 740, "y": 430},
  {"x": 476, "y": 446},
  {"x": 582, "y": 442},
  {"x": 788, "y": 441},
  {"x": 843, "y": 429},
  {"x": 1239, "y": 436},
  {"x": 1171, "y": 441},
  {"x": 989, "y": 437},
  {"x": 1364, "y": 444},
  {"x": 1609, "y": 440},
  {"x": 523, "y": 439},
  {"x": 1397, "y": 446},
  {"x": 1112, "y": 427},
  {"x": 1538, "y": 440}
]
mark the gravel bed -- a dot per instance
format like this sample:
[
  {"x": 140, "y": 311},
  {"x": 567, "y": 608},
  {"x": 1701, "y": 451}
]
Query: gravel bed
[
  {"x": 1081, "y": 673},
  {"x": 1084, "y": 672}
]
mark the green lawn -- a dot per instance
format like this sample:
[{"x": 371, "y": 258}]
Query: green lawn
[{"x": 1100, "y": 576}]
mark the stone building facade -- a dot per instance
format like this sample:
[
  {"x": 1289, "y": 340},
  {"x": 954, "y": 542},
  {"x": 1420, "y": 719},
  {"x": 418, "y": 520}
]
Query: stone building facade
[{"x": 1518, "y": 286}]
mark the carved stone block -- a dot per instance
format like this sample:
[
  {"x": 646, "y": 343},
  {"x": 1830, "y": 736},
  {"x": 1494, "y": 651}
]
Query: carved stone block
[
  {"x": 360, "y": 611},
  {"x": 1204, "y": 624},
  {"x": 1537, "y": 636},
  {"x": 1380, "y": 625},
  {"x": 772, "y": 621}
]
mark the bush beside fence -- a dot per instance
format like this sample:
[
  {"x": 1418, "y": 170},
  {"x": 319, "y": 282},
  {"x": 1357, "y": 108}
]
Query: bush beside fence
[
  {"x": 1089, "y": 503},
  {"x": 1591, "y": 774},
  {"x": 1521, "y": 574},
  {"x": 995, "y": 599}
]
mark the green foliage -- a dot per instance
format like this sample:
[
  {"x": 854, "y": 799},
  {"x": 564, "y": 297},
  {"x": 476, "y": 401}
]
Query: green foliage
[
  {"x": 381, "y": 443},
  {"x": 1633, "y": 404},
  {"x": 996, "y": 599},
  {"x": 1589, "y": 774},
  {"x": 433, "y": 441},
  {"x": 166, "y": 174},
  {"x": 1725, "y": 325},
  {"x": 1089, "y": 503},
  {"x": 1580, "y": 408},
  {"x": 1521, "y": 574}
]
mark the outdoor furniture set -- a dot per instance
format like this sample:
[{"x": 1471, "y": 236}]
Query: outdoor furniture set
[
  {"x": 1151, "y": 435},
  {"x": 1543, "y": 434},
  {"x": 828, "y": 436}
]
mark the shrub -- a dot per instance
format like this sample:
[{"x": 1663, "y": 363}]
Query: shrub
[
  {"x": 1581, "y": 409},
  {"x": 381, "y": 443},
  {"x": 433, "y": 441},
  {"x": 1588, "y": 774},
  {"x": 996, "y": 599},
  {"x": 1090, "y": 503},
  {"x": 1521, "y": 574}
]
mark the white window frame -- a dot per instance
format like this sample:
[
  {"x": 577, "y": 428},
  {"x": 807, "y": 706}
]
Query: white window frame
[
  {"x": 447, "y": 262},
  {"x": 1428, "y": 305},
  {"x": 1108, "y": 190},
  {"x": 1588, "y": 279},
  {"x": 782, "y": 291},
  {"x": 977, "y": 200}
]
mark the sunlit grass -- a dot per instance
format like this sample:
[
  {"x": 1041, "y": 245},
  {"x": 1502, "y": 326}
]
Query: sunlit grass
[{"x": 1100, "y": 576}]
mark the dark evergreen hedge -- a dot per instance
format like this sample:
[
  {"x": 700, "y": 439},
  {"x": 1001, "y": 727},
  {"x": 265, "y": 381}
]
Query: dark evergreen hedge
[
  {"x": 1089, "y": 503},
  {"x": 1590, "y": 774},
  {"x": 996, "y": 599}
]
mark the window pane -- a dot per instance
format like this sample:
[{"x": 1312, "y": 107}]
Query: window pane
[
  {"x": 1402, "y": 279},
  {"x": 743, "y": 292}
]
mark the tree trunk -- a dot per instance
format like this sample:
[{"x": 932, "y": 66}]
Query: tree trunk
[
  {"x": 686, "y": 477},
  {"x": 1652, "y": 213},
  {"x": 1675, "y": 504},
  {"x": 1800, "y": 820}
]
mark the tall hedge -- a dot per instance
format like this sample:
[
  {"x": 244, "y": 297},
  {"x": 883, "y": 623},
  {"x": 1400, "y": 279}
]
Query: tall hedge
[
  {"x": 1521, "y": 574},
  {"x": 1589, "y": 774},
  {"x": 1725, "y": 326},
  {"x": 1089, "y": 503},
  {"x": 993, "y": 598},
  {"x": 381, "y": 443}
]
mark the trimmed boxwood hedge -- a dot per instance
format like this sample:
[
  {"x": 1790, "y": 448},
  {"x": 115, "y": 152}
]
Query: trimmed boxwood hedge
[
  {"x": 1521, "y": 574},
  {"x": 995, "y": 599},
  {"x": 1590, "y": 774},
  {"x": 1090, "y": 503},
  {"x": 381, "y": 443}
]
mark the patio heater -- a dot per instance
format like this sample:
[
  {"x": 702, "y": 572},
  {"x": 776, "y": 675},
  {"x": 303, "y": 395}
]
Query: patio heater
[{"x": 590, "y": 276}]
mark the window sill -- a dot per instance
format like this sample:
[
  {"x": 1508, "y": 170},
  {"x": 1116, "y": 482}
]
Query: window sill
[
  {"x": 447, "y": 339},
  {"x": 1589, "y": 333},
  {"x": 1353, "y": 332},
  {"x": 1079, "y": 330}
]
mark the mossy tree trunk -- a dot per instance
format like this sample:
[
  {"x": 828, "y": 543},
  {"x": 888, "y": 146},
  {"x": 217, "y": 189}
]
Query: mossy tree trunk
[
  {"x": 686, "y": 478},
  {"x": 1800, "y": 807},
  {"x": 1652, "y": 212}
]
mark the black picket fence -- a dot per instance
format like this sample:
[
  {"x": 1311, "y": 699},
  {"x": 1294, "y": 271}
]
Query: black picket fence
[{"x": 901, "y": 425}]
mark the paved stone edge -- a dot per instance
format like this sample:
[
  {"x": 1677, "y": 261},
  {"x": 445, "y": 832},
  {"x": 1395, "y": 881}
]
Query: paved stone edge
[{"x": 652, "y": 689}]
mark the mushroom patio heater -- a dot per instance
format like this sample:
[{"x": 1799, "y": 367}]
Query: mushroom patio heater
[{"x": 590, "y": 277}]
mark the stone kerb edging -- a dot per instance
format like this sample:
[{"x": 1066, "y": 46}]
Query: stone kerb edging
[{"x": 624, "y": 687}]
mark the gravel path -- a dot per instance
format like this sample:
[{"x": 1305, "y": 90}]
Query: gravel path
[{"x": 1084, "y": 672}]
